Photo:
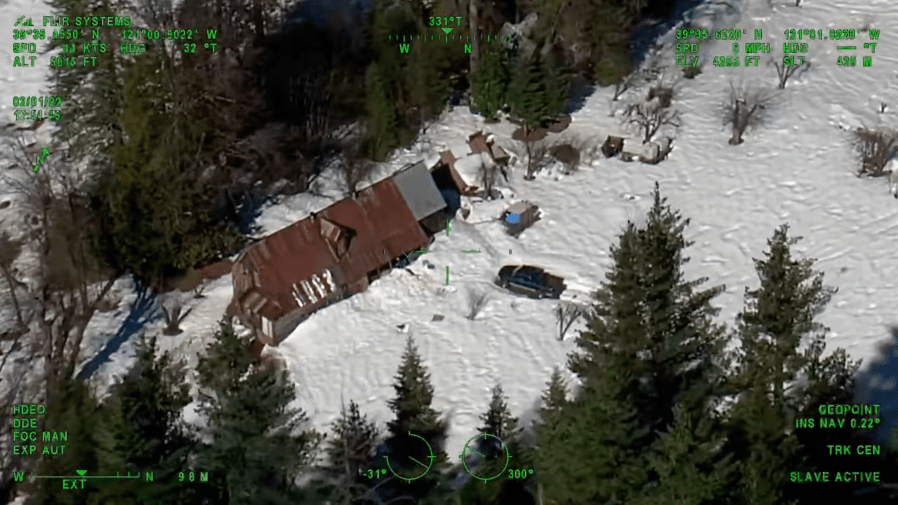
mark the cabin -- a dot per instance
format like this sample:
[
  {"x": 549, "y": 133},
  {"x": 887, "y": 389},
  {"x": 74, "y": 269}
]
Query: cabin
[
  {"x": 634, "y": 150},
  {"x": 612, "y": 146},
  {"x": 630, "y": 149},
  {"x": 481, "y": 143},
  {"x": 332, "y": 254},
  {"x": 449, "y": 177}
]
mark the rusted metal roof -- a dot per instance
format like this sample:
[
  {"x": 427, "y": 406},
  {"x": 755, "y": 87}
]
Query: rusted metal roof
[
  {"x": 498, "y": 153},
  {"x": 448, "y": 159},
  {"x": 302, "y": 264}
]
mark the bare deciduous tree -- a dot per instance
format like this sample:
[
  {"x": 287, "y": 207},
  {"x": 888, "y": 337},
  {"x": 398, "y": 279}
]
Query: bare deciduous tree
[
  {"x": 745, "y": 106},
  {"x": 10, "y": 249},
  {"x": 488, "y": 170},
  {"x": 354, "y": 168},
  {"x": 171, "y": 309},
  {"x": 632, "y": 80},
  {"x": 566, "y": 313},
  {"x": 875, "y": 148},
  {"x": 784, "y": 72},
  {"x": 476, "y": 302},
  {"x": 650, "y": 116},
  {"x": 652, "y": 69},
  {"x": 317, "y": 98},
  {"x": 70, "y": 282}
]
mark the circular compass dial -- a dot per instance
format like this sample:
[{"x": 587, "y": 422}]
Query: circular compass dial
[
  {"x": 414, "y": 459},
  {"x": 482, "y": 449}
]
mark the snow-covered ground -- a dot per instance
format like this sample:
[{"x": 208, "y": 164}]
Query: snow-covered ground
[{"x": 798, "y": 168}]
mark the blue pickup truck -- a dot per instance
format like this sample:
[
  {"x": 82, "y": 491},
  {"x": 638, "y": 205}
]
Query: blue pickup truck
[{"x": 530, "y": 281}]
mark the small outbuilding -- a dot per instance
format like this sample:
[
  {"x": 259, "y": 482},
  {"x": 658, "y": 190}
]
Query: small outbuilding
[{"x": 519, "y": 216}]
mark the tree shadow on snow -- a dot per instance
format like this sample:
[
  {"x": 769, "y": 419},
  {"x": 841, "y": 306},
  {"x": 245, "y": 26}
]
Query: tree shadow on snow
[
  {"x": 878, "y": 384},
  {"x": 143, "y": 310}
]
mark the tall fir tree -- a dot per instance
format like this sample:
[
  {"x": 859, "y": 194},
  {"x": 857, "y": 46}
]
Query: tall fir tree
[
  {"x": 554, "y": 398},
  {"x": 489, "y": 84},
  {"x": 497, "y": 422},
  {"x": 415, "y": 419},
  {"x": 256, "y": 449},
  {"x": 688, "y": 465},
  {"x": 651, "y": 320},
  {"x": 778, "y": 316},
  {"x": 759, "y": 443},
  {"x": 350, "y": 452},
  {"x": 650, "y": 344},
  {"x": 536, "y": 94},
  {"x": 382, "y": 130},
  {"x": 92, "y": 97},
  {"x": 144, "y": 431},
  {"x": 587, "y": 455},
  {"x": 777, "y": 380},
  {"x": 141, "y": 234},
  {"x": 496, "y": 457}
]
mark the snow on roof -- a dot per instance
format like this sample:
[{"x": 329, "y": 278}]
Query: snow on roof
[{"x": 469, "y": 167}]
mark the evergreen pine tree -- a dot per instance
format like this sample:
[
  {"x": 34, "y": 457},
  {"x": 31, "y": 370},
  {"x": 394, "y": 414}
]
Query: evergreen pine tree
[
  {"x": 255, "y": 450},
  {"x": 354, "y": 442},
  {"x": 150, "y": 210},
  {"x": 650, "y": 345},
  {"x": 554, "y": 397},
  {"x": 412, "y": 404},
  {"x": 144, "y": 431},
  {"x": 497, "y": 421},
  {"x": 489, "y": 84},
  {"x": 587, "y": 456},
  {"x": 778, "y": 381},
  {"x": 684, "y": 345},
  {"x": 536, "y": 94},
  {"x": 415, "y": 419},
  {"x": 777, "y": 316},
  {"x": 350, "y": 452},
  {"x": 689, "y": 470},
  {"x": 830, "y": 380},
  {"x": 70, "y": 423},
  {"x": 92, "y": 97},
  {"x": 383, "y": 121},
  {"x": 652, "y": 321},
  {"x": 553, "y": 400},
  {"x": 498, "y": 456},
  {"x": 758, "y": 442}
]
